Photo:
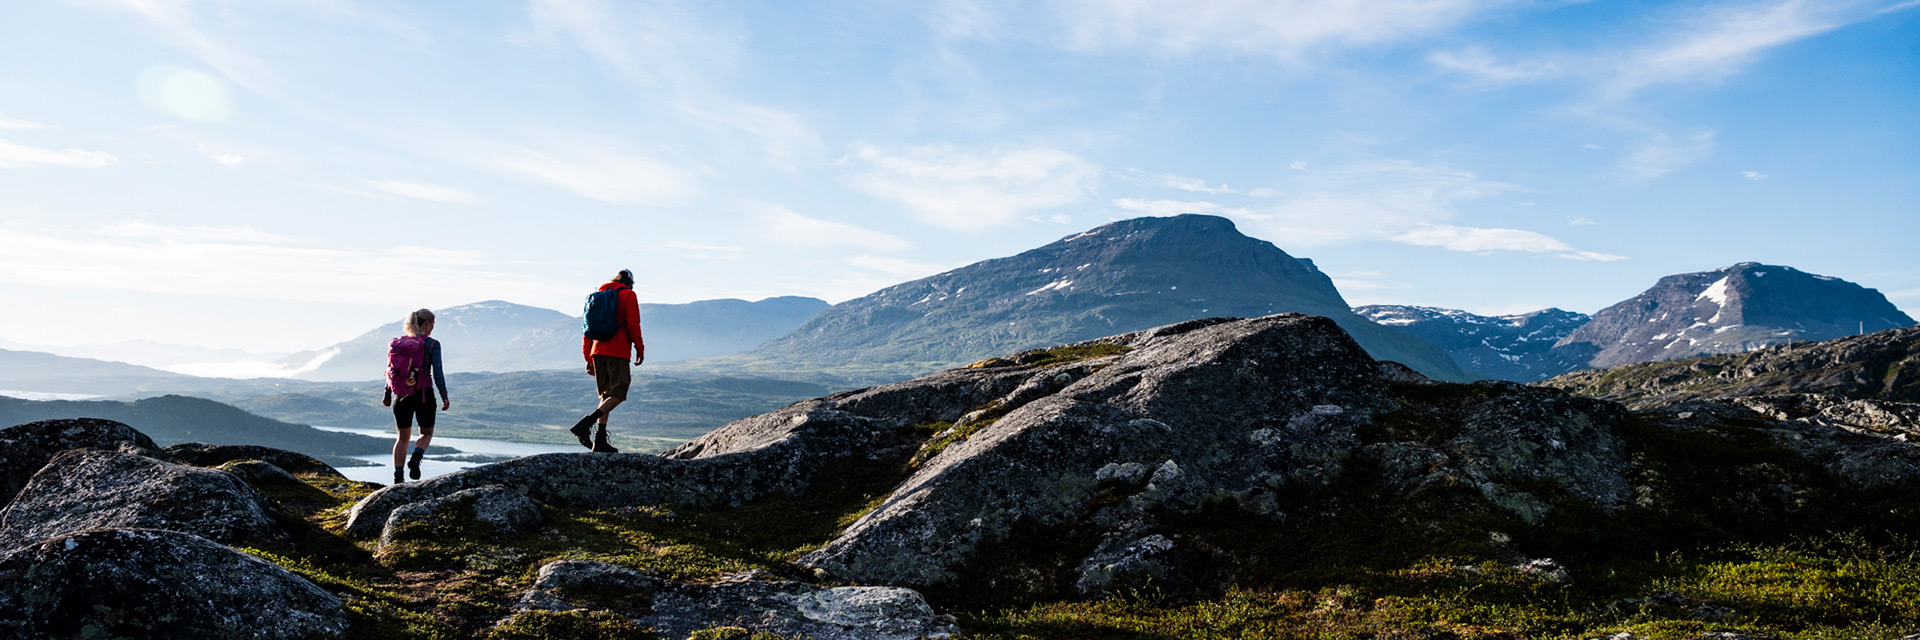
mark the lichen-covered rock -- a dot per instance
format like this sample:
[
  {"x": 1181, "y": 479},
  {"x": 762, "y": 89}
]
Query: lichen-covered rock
[
  {"x": 795, "y": 610},
  {"x": 1863, "y": 443},
  {"x": 493, "y": 507},
  {"x": 1122, "y": 566},
  {"x": 1248, "y": 413},
  {"x": 81, "y": 490},
  {"x": 26, "y": 448},
  {"x": 567, "y": 585},
  {"x": 256, "y": 472},
  {"x": 772, "y": 454},
  {"x": 131, "y": 583},
  {"x": 200, "y": 454}
]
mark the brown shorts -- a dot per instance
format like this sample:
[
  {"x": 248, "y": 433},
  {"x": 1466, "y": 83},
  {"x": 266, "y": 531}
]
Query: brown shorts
[{"x": 612, "y": 376}]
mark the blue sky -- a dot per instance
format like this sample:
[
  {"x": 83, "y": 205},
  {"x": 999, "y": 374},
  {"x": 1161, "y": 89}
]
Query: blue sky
[{"x": 283, "y": 175}]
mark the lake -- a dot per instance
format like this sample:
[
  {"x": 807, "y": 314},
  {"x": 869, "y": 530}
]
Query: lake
[{"x": 429, "y": 467}]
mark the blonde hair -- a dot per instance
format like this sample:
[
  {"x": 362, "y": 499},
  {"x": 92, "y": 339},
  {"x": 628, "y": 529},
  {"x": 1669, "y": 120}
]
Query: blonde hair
[{"x": 417, "y": 319}]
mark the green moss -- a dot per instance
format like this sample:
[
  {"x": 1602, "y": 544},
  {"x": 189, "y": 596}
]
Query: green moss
[
  {"x": 574, "y": 625},
  {"x": 732, "y": 633},
  {"x": 1075, "y": 353}
]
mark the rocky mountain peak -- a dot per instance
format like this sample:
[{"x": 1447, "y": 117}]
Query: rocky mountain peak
[
  {"x": 1123, "y": 276},
  {"x": 1738, "y": 308}
]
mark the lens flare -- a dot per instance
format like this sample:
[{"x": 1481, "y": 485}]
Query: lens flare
[{"x": 186, "y": 93}]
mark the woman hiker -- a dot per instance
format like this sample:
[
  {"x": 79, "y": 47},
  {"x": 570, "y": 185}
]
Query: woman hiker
[{"x": 410, "y": 358}]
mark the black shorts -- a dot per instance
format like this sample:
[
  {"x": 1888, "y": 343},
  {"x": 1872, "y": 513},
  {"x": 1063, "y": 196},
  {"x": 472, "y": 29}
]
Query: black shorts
[{"x": 417, "y": 406}]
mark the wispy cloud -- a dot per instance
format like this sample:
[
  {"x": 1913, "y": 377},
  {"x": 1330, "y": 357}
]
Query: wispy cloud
[
  {"x": 973, "y": 188},
  {"x": 1664, "y": 154},
  {"x": 593, "y": 171},
  {"x": 1753, "y": 175},
  {"x": 193, "y": 260},
  {"x": 1482, "y": 240},
  {"x": 706, "y": 251},
  {"x": 186, "y": 233},
  {"x": 1694, "y": 44},
  {"x": 19, "y": 156},
  {"x": 1177, "y": 207},
  {"x": 14, "y": 124},
  {"x": 1371, "y": 200},
  {"x": 783, "y": 226},
  {"x": 1483, "y": 68},
  {"x": 660, "y": 46},
  {"x": 1287, "y": 29},
  {"x": 420, "y": 191},
  {"x": 1171, "y": 181},
  {"x": 900, "y": 270}
]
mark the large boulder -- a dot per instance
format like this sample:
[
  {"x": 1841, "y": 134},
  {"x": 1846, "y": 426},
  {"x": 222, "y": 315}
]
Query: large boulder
[
  {"x": 772, "y": 454},
  {"x": 796, "y": 610},
  {"x": 81, "y": 490},
  {"x": 492, "y": 508},
  {"x": 26, "y": 448},
  {"x": 201, "y": 454},
  {"x": 1252, "y": 414},
  {"x": 131, "y": 583}
]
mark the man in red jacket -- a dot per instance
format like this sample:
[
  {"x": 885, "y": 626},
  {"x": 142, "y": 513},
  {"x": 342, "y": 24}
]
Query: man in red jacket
[{"x": 607, "y": 363}]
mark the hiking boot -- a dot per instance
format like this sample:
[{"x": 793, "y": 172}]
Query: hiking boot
[
  {"x": 581, "y": 428},
  {"x": 396, "y": 477},
  {"x": 600, "y": 441},
  {"x": 413, "y": 464}
]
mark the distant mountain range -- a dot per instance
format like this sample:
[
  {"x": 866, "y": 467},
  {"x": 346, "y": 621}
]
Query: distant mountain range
[
  {"x": 1125, "y": 276},
  {"x": 35, "y": 371},
  {"x": 1736, "y": 309},
  {"x": 503, "y": 336},
  {"x": 175, "y": 419},
  {"x": 1514, "y": 347}
]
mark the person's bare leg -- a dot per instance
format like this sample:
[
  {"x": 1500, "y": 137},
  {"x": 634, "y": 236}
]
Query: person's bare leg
[
  {"x": 400, "y": 447},
  {"x": 606, "y": 407}
]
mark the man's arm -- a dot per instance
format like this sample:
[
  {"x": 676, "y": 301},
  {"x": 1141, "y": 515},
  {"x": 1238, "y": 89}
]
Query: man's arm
[{"x": 631, "y": 301}]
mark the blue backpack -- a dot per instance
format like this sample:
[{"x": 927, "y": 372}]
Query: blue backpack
[{"x": 602, "y": 315}]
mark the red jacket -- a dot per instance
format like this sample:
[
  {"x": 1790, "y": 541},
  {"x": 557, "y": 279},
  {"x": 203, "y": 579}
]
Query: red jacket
[{"x": 627, "y": 339}]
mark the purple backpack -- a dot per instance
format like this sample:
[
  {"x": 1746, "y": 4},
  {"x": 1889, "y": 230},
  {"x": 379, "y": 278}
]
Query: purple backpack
[{"x": 407, "y": 365}]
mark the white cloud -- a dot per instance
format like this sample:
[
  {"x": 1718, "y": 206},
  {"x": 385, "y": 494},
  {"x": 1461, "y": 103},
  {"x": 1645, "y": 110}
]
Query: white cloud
[
  {"x": 596, "y": 173},
  {"x": 1369, "y": 201},
  {"x": 227, "y": 160},
  {"x": 182, "y": 233},
  {"x": 1481, "y": 240},
  {"x": 783, "y": 226},
  {"x": 240, "y": 262},
  {"x": 900, "y": 270},
  {"x": 1177, "y": 207},
  {"x": 1665, "y": 154},
  {"x": 1692, "y": 45},
  {"x": 13, "y": 124},
  {"x": 1484, "y": 69},
  {"x": 1720, "y": 40},
  {"x": 1582, "y": 220},
  {"x": 1591, "y": 146},
  {"x": 420, "y": 191},
  {"x": 706, "y": 251},
  {"x": 660, "y": 46},
  {"x": 1297, "y": 165},
  {"x": 1286, "y": 29},
  {"x": 974, "y": 188},
  {"x": 17, "y": 156},
  {"x": 1753, "y": 175},
  {"x": 1172, "y": 181}
]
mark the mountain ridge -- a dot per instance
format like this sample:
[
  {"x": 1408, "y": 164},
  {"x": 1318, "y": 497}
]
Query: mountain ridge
[{"x": 1127, "y": 275}]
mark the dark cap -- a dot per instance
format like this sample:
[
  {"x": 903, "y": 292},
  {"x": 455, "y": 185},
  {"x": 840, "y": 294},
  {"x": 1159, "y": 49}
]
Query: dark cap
[{"x": 624, "y": 277}]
